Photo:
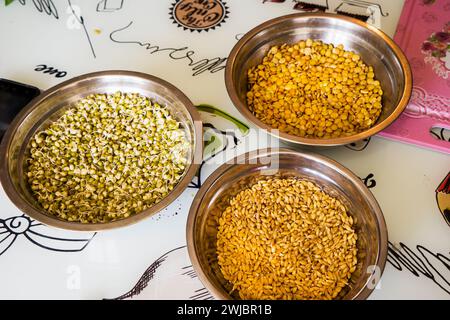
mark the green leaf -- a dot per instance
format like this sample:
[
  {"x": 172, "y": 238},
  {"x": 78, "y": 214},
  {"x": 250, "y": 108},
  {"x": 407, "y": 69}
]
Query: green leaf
[
  {"x": 210, "y": 109},
  {"x": 212, "y": 140},
  {"x": 7, "y": 2}
]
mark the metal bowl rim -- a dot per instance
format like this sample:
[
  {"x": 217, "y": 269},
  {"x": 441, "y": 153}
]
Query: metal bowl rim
[
  {"x": 367, "y": 194},
  {"x": 244, "y": 110},
  {"x": 23, "y": 206}
]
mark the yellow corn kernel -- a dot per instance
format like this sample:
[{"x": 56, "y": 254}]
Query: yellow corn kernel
[{"x": 310, "y": 88}]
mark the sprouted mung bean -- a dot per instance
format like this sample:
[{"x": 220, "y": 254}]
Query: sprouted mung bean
[
  {"x": 284, "y": 238},
  {"x": 313, "y": 89},
  {"x": 107, "y": 157}
]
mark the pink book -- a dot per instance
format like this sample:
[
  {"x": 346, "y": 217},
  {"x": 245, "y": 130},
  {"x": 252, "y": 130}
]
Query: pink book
[{"x": 423, "y": 32}]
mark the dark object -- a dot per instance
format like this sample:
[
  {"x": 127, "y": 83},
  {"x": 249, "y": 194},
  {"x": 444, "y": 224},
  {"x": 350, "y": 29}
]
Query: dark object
[
  {"x": 364, "y": 4},
  {"x": 311, "y": 7},
  {"x": 447, "y": 215},
  {"x": 359, "y": 9},
  {"x": 38, "y": 234},
  {"x": 443, "y": 198},
  {"x": 13, "y": 97},
  {"x": 104, "y": 6},
  {"x": 361, "y": 17}
]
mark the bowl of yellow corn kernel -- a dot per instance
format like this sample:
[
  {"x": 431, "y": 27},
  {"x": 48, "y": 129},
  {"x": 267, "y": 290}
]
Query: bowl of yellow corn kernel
[{"x": 318, "y": 79}]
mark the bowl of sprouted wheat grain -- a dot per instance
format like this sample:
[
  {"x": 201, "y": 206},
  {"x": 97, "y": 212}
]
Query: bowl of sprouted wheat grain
[{"x": 283, "y": 224}]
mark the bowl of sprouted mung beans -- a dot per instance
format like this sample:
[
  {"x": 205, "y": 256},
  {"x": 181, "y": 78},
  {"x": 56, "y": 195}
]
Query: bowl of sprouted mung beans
[
  {"x": 281, "y": 224},
  {"x": 101, "y": 151},
  {"x": 318, "y": 79}
]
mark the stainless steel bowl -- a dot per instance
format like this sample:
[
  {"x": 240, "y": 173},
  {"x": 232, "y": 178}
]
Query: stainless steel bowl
[
  {"x": 243, "y": 171},
  {"x": 376, "y": 49},
  {"x": 47, "y": 107}
]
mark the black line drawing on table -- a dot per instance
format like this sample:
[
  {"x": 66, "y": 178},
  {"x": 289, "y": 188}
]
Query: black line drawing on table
[
  {"x": 310, "y": 6},
  {"x": 172, "y": 268},
  {"x": 212, "y": 65},
  {"x": 38, "y": 234},
  {"x": 358, "y": 145},
  {"x": 201, "y": 294},
  {"x": 199, "y": 15},
  {"x": 423, "y": 262},
  {"x": 440, "y": 133},
  {"x": 189, "y": 271},
  {"x": 369, "y": 181},
  {"x": 50, "y": 70},
  {"x": 306, "y": 5},
  {"x": 239, "y": 36},
  {"x": 363, "y": 10},
  {"x": 443, "y": 198},
  {"x": 219, "y": 141},
  {"x": 79, "y": 18},
  {"x": 109, "y": 5},
  {"x": 45, "y": 6}
]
